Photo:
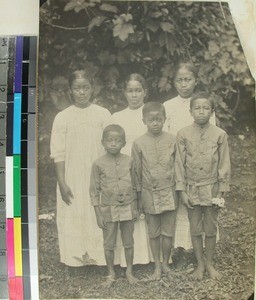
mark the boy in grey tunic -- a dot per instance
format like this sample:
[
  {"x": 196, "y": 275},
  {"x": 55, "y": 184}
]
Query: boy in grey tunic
[
  {"x": 203, "y": 172},
  {"x": 114, "y": 198},
  {"x": 153, "y": 155}
]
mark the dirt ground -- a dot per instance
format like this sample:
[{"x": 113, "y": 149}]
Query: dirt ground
[{"x": 235, "y": 250}]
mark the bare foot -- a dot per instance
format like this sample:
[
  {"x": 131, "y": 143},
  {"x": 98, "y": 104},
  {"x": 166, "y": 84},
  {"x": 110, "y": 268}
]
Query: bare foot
[
  {"x": 198, "y": 274},
  {"x": 213, "y": 274},
  {"x": 110, "y": 279},
  {"x": 166, "y": 269},
  {"x": 131, "y": 278},
  {"x": 157, "y": 274}
]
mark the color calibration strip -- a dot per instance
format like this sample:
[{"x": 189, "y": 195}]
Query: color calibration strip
[{"x": 18, "y": 211}]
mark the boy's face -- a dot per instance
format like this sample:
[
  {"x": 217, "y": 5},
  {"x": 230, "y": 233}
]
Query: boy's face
[
  {"x": 201, "y": 111},
  {"x": 113, "y": 142},
  {"x": 154, "y": 120},
  {"x": 185, "y": 83}
]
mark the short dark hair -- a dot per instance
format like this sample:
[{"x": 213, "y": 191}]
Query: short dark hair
[
  {"x": 153, "y": 106},
  {"x": 113, "y": 127},
  {"x": 137, "y": 77},
  {"x": 201, "y": 95},
  {"x": 188, "y": 66},
  {"x": 78, "y": 74}
]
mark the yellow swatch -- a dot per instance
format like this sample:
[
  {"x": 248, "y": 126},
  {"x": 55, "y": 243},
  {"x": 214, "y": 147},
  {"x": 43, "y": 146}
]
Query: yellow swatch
[{"x": 17, "y": 247}]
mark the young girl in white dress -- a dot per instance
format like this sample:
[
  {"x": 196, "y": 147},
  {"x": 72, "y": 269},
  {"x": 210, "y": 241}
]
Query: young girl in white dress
[
  {"x": 177, "y": 117},
  {"x": 75, "y": 144},
  {"x": 131, "y": 121}
]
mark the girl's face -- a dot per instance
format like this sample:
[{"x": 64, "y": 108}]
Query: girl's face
[
  {"x": 81, "y": 91},
  {"x": 184, "y": 83},
  {"x": 134, "y": 94}
]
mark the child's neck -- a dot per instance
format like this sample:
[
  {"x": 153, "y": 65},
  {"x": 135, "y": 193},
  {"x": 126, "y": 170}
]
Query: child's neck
[
  {"x": 135, "y": 108},
  {"x": 185, "y": 98},
  {"x": 114, "y": 155},
  {"x": 155, "y": 134},
  {"x": 84, "y": 105},
  {"x": 203, "y": 125}
]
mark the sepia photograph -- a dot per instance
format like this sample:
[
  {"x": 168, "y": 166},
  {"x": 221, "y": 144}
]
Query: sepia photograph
[{"x": 146, "y": 116}]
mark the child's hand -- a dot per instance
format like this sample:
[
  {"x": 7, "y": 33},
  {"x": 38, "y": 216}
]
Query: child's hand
[
  {"x": 185, "y": 200},
  {"x": 220, "y": 195},
  {"x": 136, "y": 217},
  {"x": 140, "y": 208},
  {"x": 101, "y": 222},
  {"x": 66, "y": 193}
]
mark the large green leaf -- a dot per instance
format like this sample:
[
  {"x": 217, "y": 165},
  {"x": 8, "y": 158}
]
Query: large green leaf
[
  {"x": 213, "y": 48},
  {"x": 122, "y": 27},
  {"x": 167, "y": 26},
  {"x": 108, "y": 7},
  {"x": 96, "y": 21}
]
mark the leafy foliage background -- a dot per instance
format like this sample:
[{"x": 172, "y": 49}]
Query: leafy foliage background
[{"x": 112, "y": 39}]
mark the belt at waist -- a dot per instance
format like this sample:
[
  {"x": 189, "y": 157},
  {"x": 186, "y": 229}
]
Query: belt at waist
[
  {"x": 157, "y": 187},
  {"x": 119, "y": 201},
  {"x": 202, "y": 182}
]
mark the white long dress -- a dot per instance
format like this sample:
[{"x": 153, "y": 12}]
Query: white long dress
[
  {"x": 177, "y": 117},
  {"x": 76, "y": 139},
  {"x": 131, "y": 121}
]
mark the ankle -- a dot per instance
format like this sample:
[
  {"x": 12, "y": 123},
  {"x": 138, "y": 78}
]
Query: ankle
[
  {"x": 208, "y": 262},
  {"x": 165, "y": 264},
  {"x": 158, "y": 265},
  {"x": 111, "y": 273},
  {"x": 201, "y": 263},
  {"x": 129, "y": 270}
]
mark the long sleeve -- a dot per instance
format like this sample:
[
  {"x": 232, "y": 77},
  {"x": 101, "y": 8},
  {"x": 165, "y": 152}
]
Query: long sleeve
[
  {"x": 94, "y": 188},
  {"x": 224, "y": 167},
  {"x": 179, "y": 164},
  {"x": 58, "y": 139},
  {"x": 133, "y": 176},
  {"x": 137, "y": 159}
]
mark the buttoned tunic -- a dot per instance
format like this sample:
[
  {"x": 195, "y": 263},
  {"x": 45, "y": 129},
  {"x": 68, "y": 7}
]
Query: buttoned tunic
[
  {"x": 154, "y": 168},
  {"x": 202, "y": 163},
  {"x": 131, "y": 121},
  {"x": 178, "y": 116},
  {"x": 112, "y": 187}
]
